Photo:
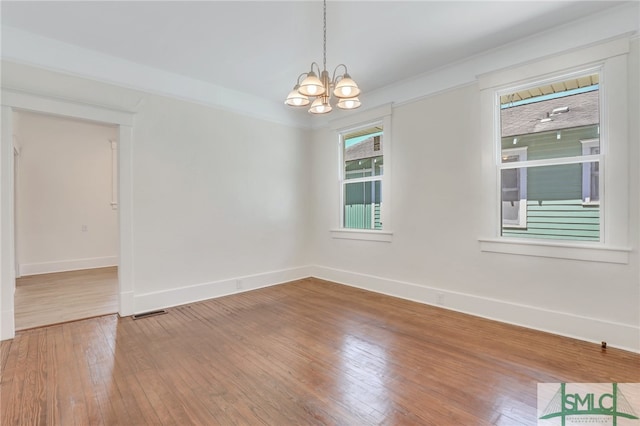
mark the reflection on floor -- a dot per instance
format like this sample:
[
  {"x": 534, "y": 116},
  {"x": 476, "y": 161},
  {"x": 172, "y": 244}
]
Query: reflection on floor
[{"x": 65, "y": 296}]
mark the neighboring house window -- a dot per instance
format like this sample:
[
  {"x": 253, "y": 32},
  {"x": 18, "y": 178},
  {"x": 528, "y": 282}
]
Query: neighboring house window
[
  {"x": 362, "y": 172},
  {"x": 549, "y": 177},
  {"x": 513, "y": 184},
  {"x": 591, "y": 172}
]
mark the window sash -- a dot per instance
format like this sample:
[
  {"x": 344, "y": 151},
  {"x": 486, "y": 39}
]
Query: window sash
[
  {"x": 375, "y": 199},
  {"x": 550, "y": 161}
]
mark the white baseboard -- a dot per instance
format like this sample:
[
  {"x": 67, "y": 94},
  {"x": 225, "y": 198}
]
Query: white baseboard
[
  {"x": 195, "y": 293},
  {"x": 66, "y": 265},
  {"x": 623, "y": 336},
  {"x": 7, "y": 325}
]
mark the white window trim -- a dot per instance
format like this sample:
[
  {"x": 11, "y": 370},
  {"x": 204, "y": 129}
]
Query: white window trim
[
  {"x": 522, "y": 172},
  {"x": 544, "y": 248},
  {"x": 368, "y": 118},
  {"x": 587, "y": 145},
  {"x": 610, "y": 59}
]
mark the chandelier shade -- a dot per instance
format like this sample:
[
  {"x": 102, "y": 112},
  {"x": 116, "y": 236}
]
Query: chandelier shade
[
  {"x": 348, "y": 103},
  {"x": 320, "y": 106},
  {"x": 311, "y": 86},
  {"x": 296, "y": 98},
  {"x": 346, "y": 88},
  {"x": 342, "y": 86}
]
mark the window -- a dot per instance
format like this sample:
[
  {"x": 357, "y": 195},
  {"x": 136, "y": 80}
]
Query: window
[
  {"x": 576, "y": 168},
  {"x": 364, "y": 154},
  {"x": 549, "y": 176},
  {"x": 363, "y": 168}
]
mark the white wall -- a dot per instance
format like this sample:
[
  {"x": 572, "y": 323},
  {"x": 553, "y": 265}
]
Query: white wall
[
  {"x": 64, "y": 218},
  {"x": 217, "y": 196},
  {"x": 436, "y": 190}
]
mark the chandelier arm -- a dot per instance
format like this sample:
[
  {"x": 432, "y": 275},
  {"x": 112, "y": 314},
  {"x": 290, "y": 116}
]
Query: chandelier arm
[
  {"x": 303, "y": 74},
  {"x": 317, "y": 67},
  {"x": 333, "y": 79}
]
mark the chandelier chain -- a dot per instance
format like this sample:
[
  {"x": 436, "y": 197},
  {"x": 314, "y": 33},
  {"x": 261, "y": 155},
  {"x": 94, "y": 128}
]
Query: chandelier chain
[{"x": 324, "y": 41}]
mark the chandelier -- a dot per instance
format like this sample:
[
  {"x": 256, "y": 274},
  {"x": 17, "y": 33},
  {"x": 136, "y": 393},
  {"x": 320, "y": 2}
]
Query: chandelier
[{"x": 344, "y": 88}]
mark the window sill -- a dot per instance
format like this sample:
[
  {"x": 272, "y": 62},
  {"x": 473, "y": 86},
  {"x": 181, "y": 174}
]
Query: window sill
[
  {"x": 573, "y": 251},
  {"x": 362, "y": 234}
]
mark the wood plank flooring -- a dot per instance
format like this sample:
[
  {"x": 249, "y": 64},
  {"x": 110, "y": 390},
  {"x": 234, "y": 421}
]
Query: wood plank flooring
[
  {"x": 65, "y": 296},
  {"x": 303, "y": 353}
]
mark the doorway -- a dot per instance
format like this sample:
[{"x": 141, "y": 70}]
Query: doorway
[
  {"x": 66, "y": 219},
  {"x": 16, "y": 101}
]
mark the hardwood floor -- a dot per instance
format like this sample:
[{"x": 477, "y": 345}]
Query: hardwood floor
[
  {"x": 307, "y": 352},
  {"x": 65, "y": 296}
]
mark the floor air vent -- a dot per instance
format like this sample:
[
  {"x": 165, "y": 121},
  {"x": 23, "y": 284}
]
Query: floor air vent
[{"x": 149, "y": 314}]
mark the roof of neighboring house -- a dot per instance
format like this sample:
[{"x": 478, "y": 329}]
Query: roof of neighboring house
[
  {"x": 524, "y": 119},
  {"x": 363, "y": 149}
]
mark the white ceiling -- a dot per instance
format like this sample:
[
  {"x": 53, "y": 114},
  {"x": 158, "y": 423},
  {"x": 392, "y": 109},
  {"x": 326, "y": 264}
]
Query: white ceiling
[{"x": 260, "y": 47}]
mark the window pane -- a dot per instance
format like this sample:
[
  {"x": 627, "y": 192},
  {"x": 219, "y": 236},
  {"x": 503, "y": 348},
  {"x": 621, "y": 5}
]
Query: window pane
[
  {"x": 363, "y": 153},
  {"x": 363, "y": 168},
  {"x": 554, "y": 205},
  {"x": 554, "y": 144},
  {"x": 362, "y": 202},
  {"x": 551, "y": 120}
]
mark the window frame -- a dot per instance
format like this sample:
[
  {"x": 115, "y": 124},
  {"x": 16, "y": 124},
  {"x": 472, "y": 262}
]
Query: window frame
[
  {"x": 344, "y": 181},
  {"x": 380, "y": 116},
  {"x": 609, "y": 59}
]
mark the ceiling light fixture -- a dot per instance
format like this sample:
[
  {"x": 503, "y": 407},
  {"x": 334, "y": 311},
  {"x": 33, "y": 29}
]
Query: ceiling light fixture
[{"x": 343, "y": 86}]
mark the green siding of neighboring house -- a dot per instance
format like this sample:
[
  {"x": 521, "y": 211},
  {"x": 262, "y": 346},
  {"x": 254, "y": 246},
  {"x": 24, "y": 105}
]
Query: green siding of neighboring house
[
  {"x": 554, "y": 183},
  {"x": 560, "y": 219},
  {"x": 359, "y": 216},
  {"x": 555, "y": 208}
]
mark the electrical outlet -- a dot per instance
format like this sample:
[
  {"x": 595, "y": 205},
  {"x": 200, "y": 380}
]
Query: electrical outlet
[
  {"x": 440, "y": 299},
  {"x": 238, "y": 284},
  {"x": 84, "y": 228}
]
